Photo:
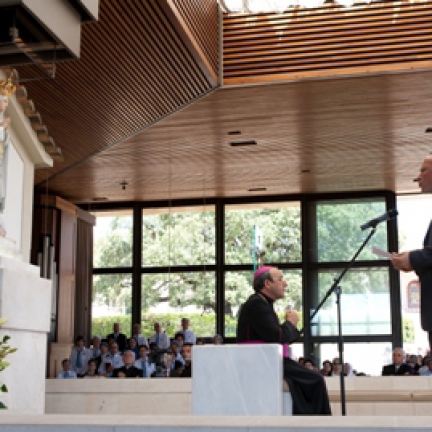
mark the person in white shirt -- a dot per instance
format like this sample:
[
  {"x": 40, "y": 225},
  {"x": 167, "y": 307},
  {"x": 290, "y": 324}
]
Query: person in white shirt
[
  {"x": 92, "y": 370},
  {"x": 160, "y": 338},
  {"x": 103, "y": 358},
  {"x": 217, "y": 339},
  {"x": 179, "y": 338},
  {"x": 176, "y": 356},
  {"x": 79, "y": 357},
  {"x": 95, "y": 347},
  {"x": 428, "y": 370},
  {"x": 189, "y": 335},
  {"x": 143, "y": 364},
  {"x": 112, "y": 360},
  {"x": 66, "y": 373},
  {"x": 136, "y": 333}
]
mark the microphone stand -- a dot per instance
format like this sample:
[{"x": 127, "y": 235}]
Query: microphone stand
[{"x": 338, "y": 291}]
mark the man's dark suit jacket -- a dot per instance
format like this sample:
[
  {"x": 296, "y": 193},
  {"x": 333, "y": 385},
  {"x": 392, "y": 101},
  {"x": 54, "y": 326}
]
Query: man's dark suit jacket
[
  {"x": 391, "y": 370},
  {"x": 130, "y": 372},
  {"x": 421, "y": 262},
  {"x": 121, "y": 340}
]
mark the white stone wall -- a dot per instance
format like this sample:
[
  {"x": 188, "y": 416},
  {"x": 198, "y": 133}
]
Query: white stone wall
[{"x": 25, "y": 300}]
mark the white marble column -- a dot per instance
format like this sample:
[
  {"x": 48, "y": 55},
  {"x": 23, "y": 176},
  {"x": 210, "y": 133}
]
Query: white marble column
[{"x": 25, "y": 300}]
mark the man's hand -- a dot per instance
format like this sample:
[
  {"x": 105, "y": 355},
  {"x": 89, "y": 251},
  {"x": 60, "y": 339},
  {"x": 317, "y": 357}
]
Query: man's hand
[
  {"x": 292, "y": 317},
  {"x": 401, "y": 261}
]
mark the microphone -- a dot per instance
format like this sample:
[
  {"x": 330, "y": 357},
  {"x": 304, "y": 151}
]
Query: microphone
[{"x": 385, "y": 217}]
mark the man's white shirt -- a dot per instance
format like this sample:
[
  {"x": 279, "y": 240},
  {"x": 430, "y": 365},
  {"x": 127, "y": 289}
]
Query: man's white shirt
[
  {"x": 163, "y": 342},
  {"x": 150, "y": 367},
  {"x": 141, "y": 340},
  {"x": 66, "y": 375},
  {"x": 86, "y": 355},
  {"x": 189, "y": 336},
  {"x": 115, "y": 360}
]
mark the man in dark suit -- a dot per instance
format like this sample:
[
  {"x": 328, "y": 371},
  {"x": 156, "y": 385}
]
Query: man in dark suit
[
  {"x": 118, "y": 337},
  {"x": 420, "y": 260},
  {"x": 398, "y": 367},
  {"x": 128, "y": 370}
]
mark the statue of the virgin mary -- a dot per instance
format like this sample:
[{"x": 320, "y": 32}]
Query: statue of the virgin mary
[{"x": 7, "y": 89}]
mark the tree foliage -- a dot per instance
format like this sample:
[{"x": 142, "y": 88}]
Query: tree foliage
[{"x": 188, "y": 237}]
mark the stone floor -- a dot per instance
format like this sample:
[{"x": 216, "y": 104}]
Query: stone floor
[{"x": 11, "y": 422}]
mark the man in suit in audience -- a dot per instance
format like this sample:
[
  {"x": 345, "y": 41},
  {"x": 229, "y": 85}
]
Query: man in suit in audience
[
  {"x": 66, "y": 373},
  {"x": 398, "y": 367},
  {"x": 119, "y": 338},
  {"x": 102, "y": 358},
  {"x": 136, "y": 333},
  {"x": 112, "y": 360},
  {"x": 79, "y": 357},
  {"x": 186, "y": 353},
  {"x": 95, "y": 347},
  {"x": 188, "y": 334},
  {"x": 128, "y": 370},
  {"x": 147, "y": 368},
  {"x": 160, "y": 338},
  {"x": 420, "y": 260}
]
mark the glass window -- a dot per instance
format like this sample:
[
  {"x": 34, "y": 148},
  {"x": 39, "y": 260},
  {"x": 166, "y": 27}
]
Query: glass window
[
  {"x": 338, "y": 229},
  {"x": 113, "y": 239},
  {"x": 111, "y": 303},
  {"x": 179, "y": 236},
  {"x": 365, "y": 303},
  {"x": 167, "y": 297},
  {"x": 413, "y": 221},
  {"x": 368, "y": 358},
  {"x": 268, "y": 232},
  {"x": 238, "y": 288}
]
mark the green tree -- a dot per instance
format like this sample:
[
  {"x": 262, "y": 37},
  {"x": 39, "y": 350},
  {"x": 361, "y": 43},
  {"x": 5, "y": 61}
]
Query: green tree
[{"x": 182, "y": 238}]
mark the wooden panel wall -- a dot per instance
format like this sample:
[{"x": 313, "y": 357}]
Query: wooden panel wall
[
  {"x": 202, "y": 18},
  {"x": 134, "y": 70},
  {"x": 327, "y": 42}
]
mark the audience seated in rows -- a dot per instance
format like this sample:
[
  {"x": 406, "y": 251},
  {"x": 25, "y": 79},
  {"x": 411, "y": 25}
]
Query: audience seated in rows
[{"x": 102, "y": 359}]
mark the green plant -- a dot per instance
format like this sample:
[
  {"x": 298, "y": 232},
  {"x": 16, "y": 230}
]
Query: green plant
[{"x": 5, "y": 350}]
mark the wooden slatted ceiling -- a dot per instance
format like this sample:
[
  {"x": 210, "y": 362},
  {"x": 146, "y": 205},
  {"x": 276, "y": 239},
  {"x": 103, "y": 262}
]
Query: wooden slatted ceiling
[
  {"x": 348, "y": 134},
  {"x": 134, "y": 70},
  {"x": 201, "y": 16},
  {"x": 328, "y": 41}
]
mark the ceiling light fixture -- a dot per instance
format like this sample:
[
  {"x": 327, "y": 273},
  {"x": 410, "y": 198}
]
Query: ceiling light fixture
[
  {"x": 257, "y": 189},
  {"x": 242, "y": 143}
]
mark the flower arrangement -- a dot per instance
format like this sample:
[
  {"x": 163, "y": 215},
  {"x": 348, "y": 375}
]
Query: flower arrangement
[{"x": 5, "y": 350}]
